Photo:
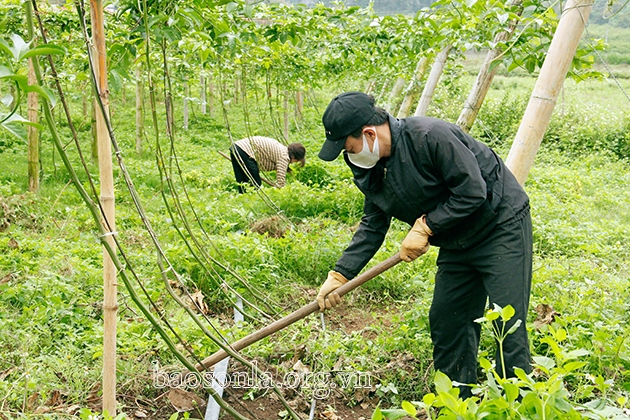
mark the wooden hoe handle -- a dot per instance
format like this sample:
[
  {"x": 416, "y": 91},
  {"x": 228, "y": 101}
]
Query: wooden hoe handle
[{"x": 303, "y": 312}]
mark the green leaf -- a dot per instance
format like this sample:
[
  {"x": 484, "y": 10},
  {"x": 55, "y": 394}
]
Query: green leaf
[
  {"x": 503, "y": 17},
  {"x": 485, "y": 363},
  {"x": 577, "y": 353},
  {"x": 5, "y": 47},
  {"x": 44, "y": 92},
  {"x": 393, "y": 414},
  {"x": 530, "y": 65},
  {"x": 45, "y": 49},
  {"x": 19, "y": 78},
  {"x": 520, "y": 374},
  {"x": 492, "y": 315},
  {"x": 531, "y": 402},
  {"x": 7, "y": 100},
  {"x": 429, "y": 399},
  {"x": 377, "y": 415},
  {"x": 15, "y": 127},
  {"x": 514, "y": 327},
  {"x": 561, "y": 334},
  {"x": 442, "y": 382},
  {"x": 409, "y": 408},
  {"x": 511, "y": 391},
  {"x": 5, "y": 72},
  {"x": 571, "y": 366},
  {"x": 500, "y": 403},
  {"x": 507, "y": 313},
  {"x": 19, "y": 47},
  {"x": 544, "y": 362},
  {"x": 513, "y": 65}
]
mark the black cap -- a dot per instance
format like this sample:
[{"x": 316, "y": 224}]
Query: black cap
[{"x": 345, "y": 114}]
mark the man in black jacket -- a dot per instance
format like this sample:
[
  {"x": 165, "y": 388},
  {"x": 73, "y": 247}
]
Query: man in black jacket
[{"x": 457, "y": 194}]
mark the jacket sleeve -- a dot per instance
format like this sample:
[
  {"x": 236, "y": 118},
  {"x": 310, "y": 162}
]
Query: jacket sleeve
[
  {"x": 457, "y": 165},
  {"x": 366, "y": 241}
]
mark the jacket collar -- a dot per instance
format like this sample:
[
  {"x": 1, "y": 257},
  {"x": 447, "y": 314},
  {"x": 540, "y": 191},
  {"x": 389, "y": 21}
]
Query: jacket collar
[{"x": 395, "y": 130}]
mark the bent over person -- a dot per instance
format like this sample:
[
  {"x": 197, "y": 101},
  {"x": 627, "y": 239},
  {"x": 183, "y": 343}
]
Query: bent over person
[
  {"x": 252, "y": 154},
  {"x": 455, "y": 193}
]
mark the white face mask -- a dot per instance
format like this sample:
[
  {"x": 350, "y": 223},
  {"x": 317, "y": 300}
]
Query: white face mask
[{"x": 366, "y": 159}]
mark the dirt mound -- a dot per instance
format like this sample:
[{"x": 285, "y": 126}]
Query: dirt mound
[{"x": 273, "y": 226}]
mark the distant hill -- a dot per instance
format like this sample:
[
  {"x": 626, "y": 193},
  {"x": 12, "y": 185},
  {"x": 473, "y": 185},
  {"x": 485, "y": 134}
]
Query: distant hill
[{"x": 381, "y": 7}]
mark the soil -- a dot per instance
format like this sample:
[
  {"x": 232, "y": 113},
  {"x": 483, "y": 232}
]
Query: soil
[
  {"x": 264, "y": 404},
  {"x": 331, "y": 404}
]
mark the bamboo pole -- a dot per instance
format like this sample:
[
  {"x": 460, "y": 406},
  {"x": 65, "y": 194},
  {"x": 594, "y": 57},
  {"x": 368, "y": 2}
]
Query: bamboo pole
[
  {"x": 285, "y": 113},
  {"x": 186, "y": 93},
  {"x": 486, "y": 75},
  {"x": 370, "y": 87},
  {"x": 84, "y": 102},
  {"x": 210, "y": 97},
  {"x": 410, "y": 92},
  {"x": 33, "y": 133},
  {"x": 429, "y": 88},
  {"x": 550, "y": 81},
  {"x": 202, "y": 94},
  {"x": 139, "y": 110},
  {"x": 110, "y": 306},
  {"x": 299, "y": 105},
  {"x": 394, "y": 94},
  {"x": 301, "y": 313},
  {"x": 168, "y": 104}
]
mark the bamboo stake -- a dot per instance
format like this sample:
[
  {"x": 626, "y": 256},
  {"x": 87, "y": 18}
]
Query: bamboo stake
[
  {"x": 410, "y": 92},
  {"x": 486, "y": 75},
  {"x": 299, "y": 105},
  {"x": 139, "y": 110},
  {"x": 202, "y": 94},
  {"x": 96, "y": 215},
  {"x": 186, "y": 92},
  {"x": 33, "y": 133},
  {"x": 384, "y": 87},
  {"x": 394, "y": 94},
  {"x": 33, "y": 110},
  {"x": 84, "y": 102},
  {"x": 168, "y": 104},
  {"x": 210, "y": 97},
  {"x": 550, "y": 81},
  {"x": 285, "y": 112},
  {"x": 301, "y": 313},
  {"x": 429, "y": 88},
  {"x": 110, "y": 306}
]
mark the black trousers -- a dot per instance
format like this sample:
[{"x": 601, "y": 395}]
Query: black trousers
[
  {"x": 245, "y": 168},
  {"x": 498, "y": 270}
]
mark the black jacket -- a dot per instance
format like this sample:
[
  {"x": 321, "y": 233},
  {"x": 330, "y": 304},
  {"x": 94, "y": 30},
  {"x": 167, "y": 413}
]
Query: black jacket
[{"x": 436, "y": 169}]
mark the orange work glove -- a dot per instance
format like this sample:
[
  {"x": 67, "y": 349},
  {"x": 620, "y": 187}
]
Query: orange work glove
[
  {"x": 327, "y": 298},
  {"x": 416, "y": 242}
]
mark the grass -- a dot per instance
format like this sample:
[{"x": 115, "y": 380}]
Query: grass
[{"x": 618, "y": 41}]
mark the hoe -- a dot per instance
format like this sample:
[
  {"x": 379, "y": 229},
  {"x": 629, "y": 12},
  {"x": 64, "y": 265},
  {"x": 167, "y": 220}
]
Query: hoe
[{"x": 301, "y": 313}]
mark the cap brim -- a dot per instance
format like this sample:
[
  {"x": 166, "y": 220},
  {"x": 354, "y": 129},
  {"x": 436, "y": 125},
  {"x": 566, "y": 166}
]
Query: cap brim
[{"x": 331, "y": 149}]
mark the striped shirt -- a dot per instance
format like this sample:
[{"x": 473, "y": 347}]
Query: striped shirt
[{"x": 270, "y": 154}]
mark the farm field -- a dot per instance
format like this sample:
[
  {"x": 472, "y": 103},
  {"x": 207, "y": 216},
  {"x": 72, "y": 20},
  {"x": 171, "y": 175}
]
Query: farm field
[{"x": 274, "y": 248}]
